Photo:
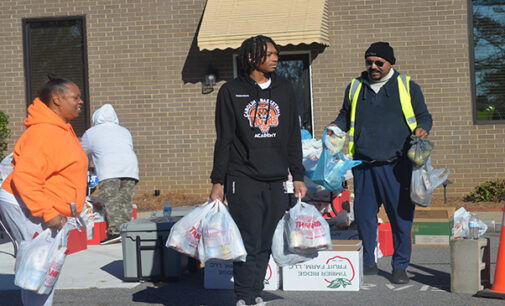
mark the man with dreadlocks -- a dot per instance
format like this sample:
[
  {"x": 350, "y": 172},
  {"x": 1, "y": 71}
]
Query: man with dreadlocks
[{"x": 258, "y": 141}]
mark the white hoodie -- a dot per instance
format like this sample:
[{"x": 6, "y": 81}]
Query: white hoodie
[{"x": 110, "y": 146}]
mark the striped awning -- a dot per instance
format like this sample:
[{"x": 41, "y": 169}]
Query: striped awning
[{"x": 227, "y": 23}]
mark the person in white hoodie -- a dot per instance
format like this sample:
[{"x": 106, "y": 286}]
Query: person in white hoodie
[{"x": 110, "y": 146}]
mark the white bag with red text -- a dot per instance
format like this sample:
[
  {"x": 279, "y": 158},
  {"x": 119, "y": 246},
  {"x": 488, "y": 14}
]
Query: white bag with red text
[
  {"x": 40, "y": 260},
  {"x": 220, "y": 236},
  {"x": 307, "y": 229},
  {"x": 280, "y": 250},
  {"x": 186, "y": 233}
]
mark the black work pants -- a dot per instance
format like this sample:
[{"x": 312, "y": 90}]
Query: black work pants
[{"x": 256, "y": 208}]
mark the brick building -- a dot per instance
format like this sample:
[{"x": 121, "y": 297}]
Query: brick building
[{"x": 144, "y": 57}]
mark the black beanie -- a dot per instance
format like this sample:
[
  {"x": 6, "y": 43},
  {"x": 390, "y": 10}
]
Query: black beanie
[{"x": 381, "y": 49}]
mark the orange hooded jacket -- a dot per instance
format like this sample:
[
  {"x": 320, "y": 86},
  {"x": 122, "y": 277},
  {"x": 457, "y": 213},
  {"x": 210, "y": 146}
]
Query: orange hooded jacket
[{"x": 50, "y": 166}]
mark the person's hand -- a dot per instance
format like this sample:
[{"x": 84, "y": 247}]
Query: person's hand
[
  {"x": 57, "y": 222},
  {"x": 300, "y": 189},
  {"x": 328, "y": 131},
  {"x": 421, "y": 133},
  {"x": 217, "y": 192}
]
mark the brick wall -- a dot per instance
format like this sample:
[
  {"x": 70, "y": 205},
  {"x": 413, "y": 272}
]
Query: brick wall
[{"x": 143, "y": 59}]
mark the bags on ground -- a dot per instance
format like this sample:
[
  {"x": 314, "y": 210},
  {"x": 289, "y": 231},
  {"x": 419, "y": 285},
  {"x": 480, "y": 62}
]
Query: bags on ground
[
  {"x": 307, "y": 229},
  {"x": 424, "y": 180}
]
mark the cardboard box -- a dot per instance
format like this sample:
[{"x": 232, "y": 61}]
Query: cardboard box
[
  {"x": 219, "y": 275},
  {"x": 339, "y": 269},
  {"x": 432, "y": 226}
]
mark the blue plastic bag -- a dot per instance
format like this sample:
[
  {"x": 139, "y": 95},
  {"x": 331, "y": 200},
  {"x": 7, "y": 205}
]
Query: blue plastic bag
[{"x": 330, "y": 170}]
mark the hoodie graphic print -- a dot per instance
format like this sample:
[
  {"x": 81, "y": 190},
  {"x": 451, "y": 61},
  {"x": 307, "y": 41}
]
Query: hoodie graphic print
[
  {"x": 263, "y": 115},
  {"x": 253, "y": 138}
]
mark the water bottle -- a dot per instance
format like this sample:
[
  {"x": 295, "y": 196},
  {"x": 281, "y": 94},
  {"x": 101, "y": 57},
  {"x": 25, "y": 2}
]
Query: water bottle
[
  {"x": 167, "y": 210},
  {"x": 473, "y": 227}
]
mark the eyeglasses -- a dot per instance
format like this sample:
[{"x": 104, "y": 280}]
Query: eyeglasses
[{"x": 377, "y": 63}]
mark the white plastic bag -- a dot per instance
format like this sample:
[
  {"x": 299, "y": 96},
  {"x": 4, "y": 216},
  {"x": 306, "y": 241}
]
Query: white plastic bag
[
  {"x": 185, "y": 234},
  {"x": 88, "y": 216},
  {"x": 280, "y": 250},
  {"x": 460, "y": 228},
  {"x": 40, "y": 260},
  {"x": 307, "y": 229},
  {"x": 424, "y": 180},
  {"x": 221, "y": 236},
  {"x": 335, "y": 142},
  {"x": 6, "y": 167}
]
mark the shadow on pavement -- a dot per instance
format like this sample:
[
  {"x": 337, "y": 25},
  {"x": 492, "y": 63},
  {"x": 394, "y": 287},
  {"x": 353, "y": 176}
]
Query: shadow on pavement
[
  {"x": 114, "y": 268},
  {"x": 432, "y": 277},
  {"x": 184, "y": 292}
]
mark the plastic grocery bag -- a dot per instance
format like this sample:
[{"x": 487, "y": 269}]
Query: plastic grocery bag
[
  {"x": 460, "y": 228},
  {"x": 186, "y": 233},
  {"x": 311, "y": 149},
  {"x": 420, "y": 150},
  {"x": 330, "y": 169},
  {"x": 6, "y": 167},
  {"x": 334, "y": 142},
  {"x": 424, "y": 180},
  {"x": 40, "y": 260},
  {"x": 88, "y": 216},
  {"x": 307, "y": 229},
  {"x": 280, "y": 249},
  {"x": 220, "y": 236}
]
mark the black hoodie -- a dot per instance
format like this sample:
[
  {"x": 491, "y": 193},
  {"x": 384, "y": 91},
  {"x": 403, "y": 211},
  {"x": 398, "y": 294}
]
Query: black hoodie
[{"x": 263, "y": 149}]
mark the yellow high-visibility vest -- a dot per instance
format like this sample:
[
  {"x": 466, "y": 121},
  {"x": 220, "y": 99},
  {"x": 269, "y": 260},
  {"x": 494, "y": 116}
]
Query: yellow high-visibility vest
[{"x": 405, "y": 100}]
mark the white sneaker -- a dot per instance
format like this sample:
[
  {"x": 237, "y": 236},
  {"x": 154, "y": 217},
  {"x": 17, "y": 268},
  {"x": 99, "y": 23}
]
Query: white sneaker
[
  {"x": 259, "y": 301},
  {"x": 241, "y": 303}
]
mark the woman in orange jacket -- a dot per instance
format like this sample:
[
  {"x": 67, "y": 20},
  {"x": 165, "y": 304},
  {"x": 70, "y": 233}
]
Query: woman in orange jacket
[{"x": 50, "y": 169}]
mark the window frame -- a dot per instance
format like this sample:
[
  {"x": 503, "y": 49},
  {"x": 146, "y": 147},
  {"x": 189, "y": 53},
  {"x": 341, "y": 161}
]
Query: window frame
[
  {"x": 27, "y": 60},
  {"x": 473, "y": 79},
  {"x": 308, "y": 53}
]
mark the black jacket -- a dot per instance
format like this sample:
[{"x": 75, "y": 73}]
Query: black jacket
[
  {"x": 381, "y": 132},
  {"x": 263, "y": 149}
]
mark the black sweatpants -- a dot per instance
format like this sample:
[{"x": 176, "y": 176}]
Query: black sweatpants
[{"x": 256, "y": 208}]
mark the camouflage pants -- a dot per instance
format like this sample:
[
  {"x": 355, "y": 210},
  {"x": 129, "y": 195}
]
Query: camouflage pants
[{"x": 117, "y": 195}]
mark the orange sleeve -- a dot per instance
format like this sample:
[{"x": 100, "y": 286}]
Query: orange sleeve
[{"x": 32, "y": 170}]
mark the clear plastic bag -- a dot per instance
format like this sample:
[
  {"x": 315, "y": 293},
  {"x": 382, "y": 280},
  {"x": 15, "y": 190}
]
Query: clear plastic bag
[
  {"x": 460, "y": 228},
  {"x": 424, "y": 181},
  {"x": 185, "y": 234},
  {"x": 220, "y": 236},
  {"x": 88, "y": 216},
  {"x": 307, "y": 229},
  {"x": 420, "y": 150},
  {"x": 280, "y": 250},
  {"x": 40, "y": 260}
]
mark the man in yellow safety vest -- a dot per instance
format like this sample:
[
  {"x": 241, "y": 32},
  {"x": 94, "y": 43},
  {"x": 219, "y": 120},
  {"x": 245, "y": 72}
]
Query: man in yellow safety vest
[{"x": 381, "y": 109}]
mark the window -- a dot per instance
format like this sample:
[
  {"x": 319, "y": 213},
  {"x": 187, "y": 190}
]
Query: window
[
  {"x": 296, "y": 68},
  {"x": 56, "y": 46},
  {"x": 489, "y": 59}
]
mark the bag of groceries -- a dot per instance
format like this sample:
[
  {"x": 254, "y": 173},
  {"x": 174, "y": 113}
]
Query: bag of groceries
[
  {"x": 186, "y": 233},
  {"x": 307, "y": 229},
  {"x": 280, "y": 250},
  {"x": 330, "y": 170},
  {"x": 420, "y": 150},
  {"x": 220, "y": 236},
  {"x": 424, "y": 181},
  {"x": 39, "y": 261}
]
